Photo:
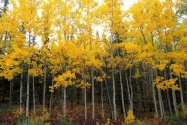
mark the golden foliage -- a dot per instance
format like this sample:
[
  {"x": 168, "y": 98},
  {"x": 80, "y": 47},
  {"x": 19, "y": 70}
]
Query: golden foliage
[
  {"x": 129, "y": 118},
  {"x": 166, "y": 84}
]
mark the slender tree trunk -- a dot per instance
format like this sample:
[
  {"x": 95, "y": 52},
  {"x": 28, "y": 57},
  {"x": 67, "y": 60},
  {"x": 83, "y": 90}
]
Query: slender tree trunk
[
  {"x": 10, "y": 96},
  {"x": 102, "y": 104},
  {"x": 21, "y": 92},
  {"x": 169, "y": 102},
  {"x": 27, "y": 100},
  {"x": 110, "y": 103},
  {"x": 160, "y": 103},
  {"x": 153, "y": 92},
  {"x": 51, "y": 96},
  {"x": 175, "y": 103},
  {"x": 85, "y": 98},
  {"x": 174, "y": 97},
  {"x": 114, "y": 95},
  {"x": 93, "y": 102},
  {"x": 129, "y": 92},
  {"x": 181, "y": 91},
  {"x": 122, "y": 96},
  {"x": 185, "y": 87},
  {"x": 34, "y": 100},
  {"x": 162, "y": 112},
  {"x": 167, "y": 93},
  {"x": 181, "y": 95},
  {"x": 28, "y": 82},
  {"x": 64, "y": 105},
  {"x": 44, "y": 85},
  {"x": 85, "y": 105}
]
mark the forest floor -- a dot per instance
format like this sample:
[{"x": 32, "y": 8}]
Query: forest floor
[{"x": 75, "y": 116}]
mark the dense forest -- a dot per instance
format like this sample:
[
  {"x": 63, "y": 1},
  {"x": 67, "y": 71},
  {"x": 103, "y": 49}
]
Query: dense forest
[{"x": 81, "y": 61}]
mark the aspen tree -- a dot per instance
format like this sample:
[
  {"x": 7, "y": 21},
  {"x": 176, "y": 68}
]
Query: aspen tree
[
  {"x": 45, "y": 31},
  {"x": 111, "y": 14}
]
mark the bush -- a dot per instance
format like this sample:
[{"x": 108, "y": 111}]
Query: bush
[
  {"x": 130, "y": 117},
  {"x": 65, "y": 122},
  {"x": 172, "y": 120},
  {"x": 29, "y": 121},
  {"x": 25, "y": 122},
  {"x": 138, "y": 122}
]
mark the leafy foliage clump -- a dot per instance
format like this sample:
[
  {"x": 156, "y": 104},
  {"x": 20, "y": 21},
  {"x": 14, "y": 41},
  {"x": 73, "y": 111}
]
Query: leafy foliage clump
[{"x": 130, "y": 117}]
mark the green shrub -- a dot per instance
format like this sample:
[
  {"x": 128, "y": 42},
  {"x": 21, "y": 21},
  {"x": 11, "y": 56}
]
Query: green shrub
[
  {"x": 138, "y": 122},
  {"x": 172, "y": 120},
  {"x": 25, "y": 122},
  {"x": 65, "y": 122},
  {"x": 29, "y": 121}
]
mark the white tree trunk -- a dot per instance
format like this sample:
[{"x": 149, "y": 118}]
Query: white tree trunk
[
  {"x": 109, "y": 99},
  {"x": 174, "y": 97},
  {"x": 64, "y": 105},
  {"x": 44, "y": 85},
  {"x": 167, "y": 94},
  {"x": 51, "y": 96},
  {"x": 27, "y": 100},
  {"x": 175, "y": 103},
  {"x": 114, "y": 95},
  {"x": 181, "y": 92},
  {"x": 21, "y": 91},
  {"x": 169, "y": 102},
  {"x": 34, "y": 101},
  {"x": 85, "y": 105},
  {"x": 122, "y": 96},
  {"x": 153, "y": 92},
  {"x": 93, "y": 102},
  {"x": 85, "y": 98},
  {"x": 129, "y": 93},
  {"x": 159, "y": 98}
]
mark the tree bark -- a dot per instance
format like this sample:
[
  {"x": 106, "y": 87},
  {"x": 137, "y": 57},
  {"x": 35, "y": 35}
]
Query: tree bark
[
  {"x": 129, "y": 93},
  {"x": 27, "y": 100},
  {"x": 34, "y": 100},
  {"x": 160, "y": 100},
  {"x": 64, "y": 105},
  {"x": 153, "y": 92},
  {"x": 64, "y": 88},
  {"x": 110, "y": 103},
  {"x": 85, "y": 105},
  {"x": 175, "y": 103},
  {"x": 21, "y": 91},
  {"x": 181, "y": 91},
  {"x": 160, "y": 103},
  {"x": 28, "y": 82},
  {"x": 10, "y": 96},
  {"x": 93, "y": 102},
  {"x": 122, "y": 96},
  {"x": 85, "y": 98},
  {"x": 174, "y": 98},
  {"x": 114, "y": 95},
  {"x": 44, "y": 85},
  {"x": 167, "y": 94},
  {"x": 51, "y": 96},
  {"x": 169, "y": 102}
]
